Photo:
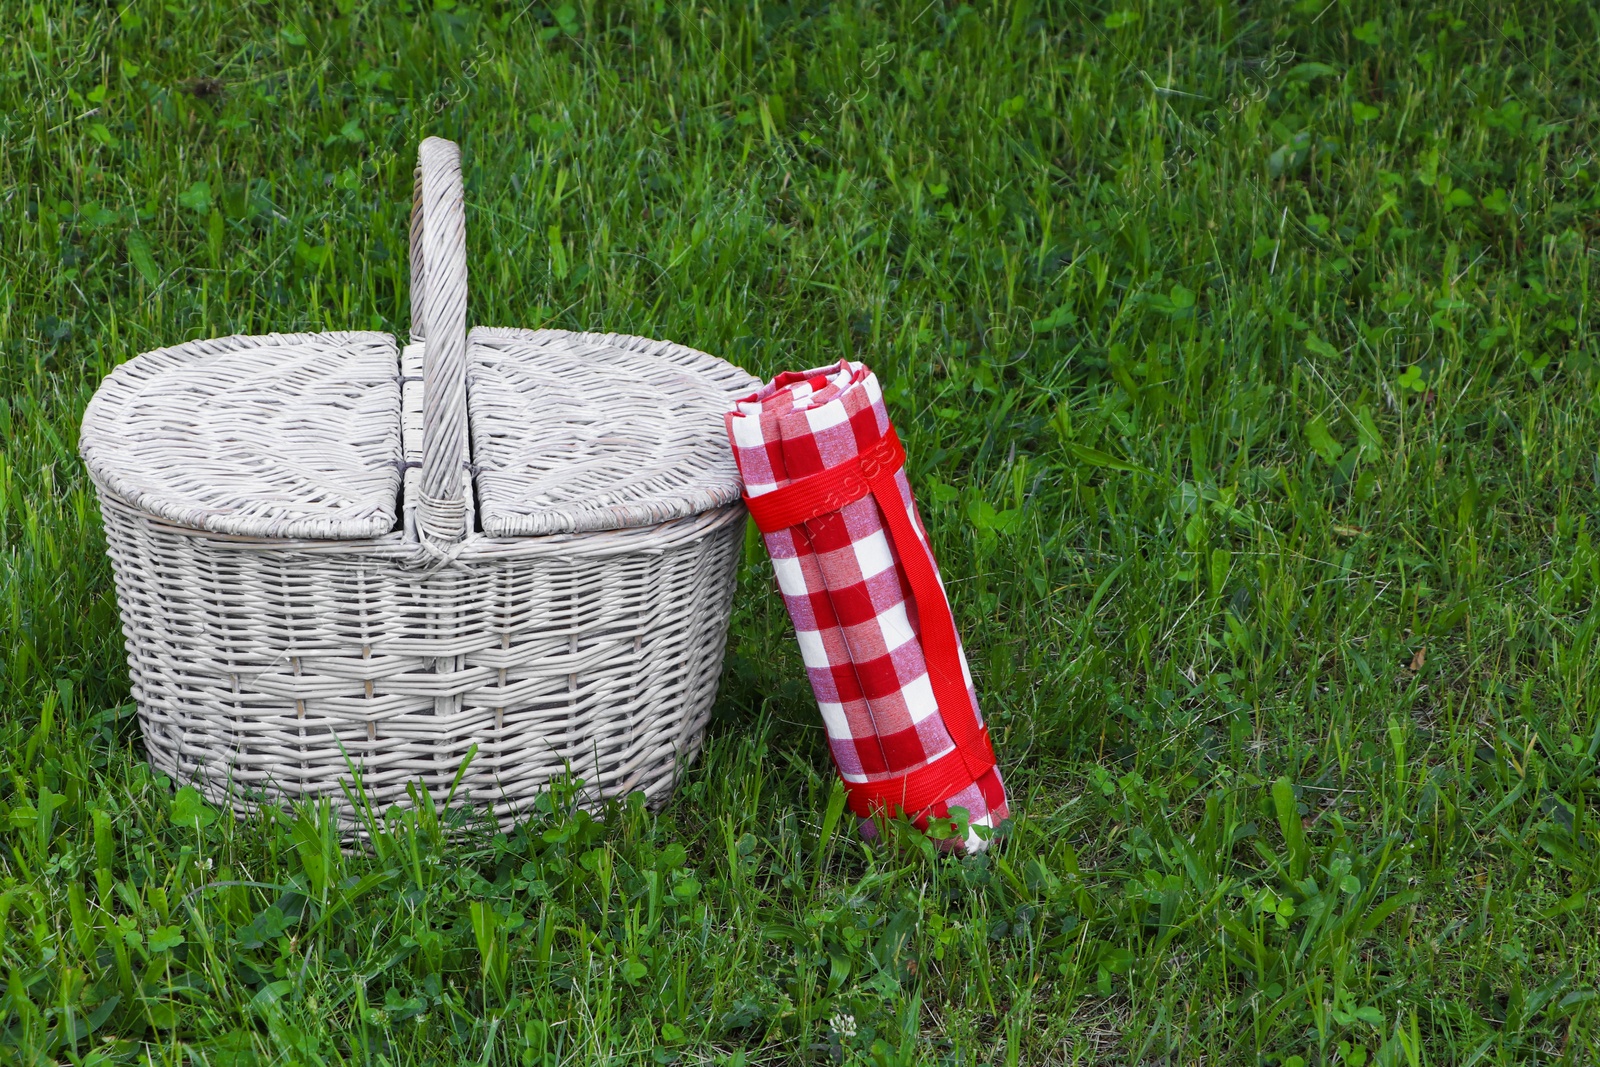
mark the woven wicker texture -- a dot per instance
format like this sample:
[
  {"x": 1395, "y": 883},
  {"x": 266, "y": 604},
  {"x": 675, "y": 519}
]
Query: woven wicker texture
[
  {"x": 204, "y": 434},
  {"x": 267, "y": 672},
  {"x": 276, "y": 666},
  {"x": 574, "y": 432},
  {"x": 439, "y": 245}
]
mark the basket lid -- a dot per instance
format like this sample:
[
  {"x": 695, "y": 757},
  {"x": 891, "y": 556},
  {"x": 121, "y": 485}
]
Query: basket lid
[
  {"x": 579, "y": 432},
  {"x": 281, "y": 435}
]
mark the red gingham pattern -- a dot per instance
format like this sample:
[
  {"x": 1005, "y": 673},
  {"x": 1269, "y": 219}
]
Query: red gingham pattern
[{"x": 846, "y": 589}]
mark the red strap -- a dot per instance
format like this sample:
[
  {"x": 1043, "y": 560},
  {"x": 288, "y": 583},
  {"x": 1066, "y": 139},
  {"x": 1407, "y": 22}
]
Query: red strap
[
  {"x": 826, "y": 491},
  {"x": 873, "y": 471},
  {"x": 918, "y": 790}
]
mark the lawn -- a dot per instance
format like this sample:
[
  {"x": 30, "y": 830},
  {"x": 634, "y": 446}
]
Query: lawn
[{"x": 1244, "y": 358}]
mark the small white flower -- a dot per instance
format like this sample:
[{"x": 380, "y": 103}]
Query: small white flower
[{"x": 843, "y": 1024}]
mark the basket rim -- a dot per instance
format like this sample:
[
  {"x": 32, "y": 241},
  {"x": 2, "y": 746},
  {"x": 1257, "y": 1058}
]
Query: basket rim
[{"x": 475, "y": 549}]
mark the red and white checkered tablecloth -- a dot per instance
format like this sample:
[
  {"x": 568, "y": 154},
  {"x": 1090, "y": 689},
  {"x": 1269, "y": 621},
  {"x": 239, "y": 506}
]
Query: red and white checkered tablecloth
[{"x": 824, "y": 481}]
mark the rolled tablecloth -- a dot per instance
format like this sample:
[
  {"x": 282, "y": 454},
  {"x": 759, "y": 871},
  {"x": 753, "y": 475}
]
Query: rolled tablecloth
[{"x": 825, "y": 482}]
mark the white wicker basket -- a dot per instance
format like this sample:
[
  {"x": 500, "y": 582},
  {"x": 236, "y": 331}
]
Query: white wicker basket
[{"x": 290, "y": 628}]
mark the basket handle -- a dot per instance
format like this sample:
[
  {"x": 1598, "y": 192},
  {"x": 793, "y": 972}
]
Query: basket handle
[{"x": 439, "y": 320}]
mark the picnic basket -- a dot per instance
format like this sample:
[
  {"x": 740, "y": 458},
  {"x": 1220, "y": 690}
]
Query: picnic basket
[{"x": 342, "y": 566}]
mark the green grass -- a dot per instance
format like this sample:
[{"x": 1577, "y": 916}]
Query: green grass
[{"x": 1244, "y": 357}]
